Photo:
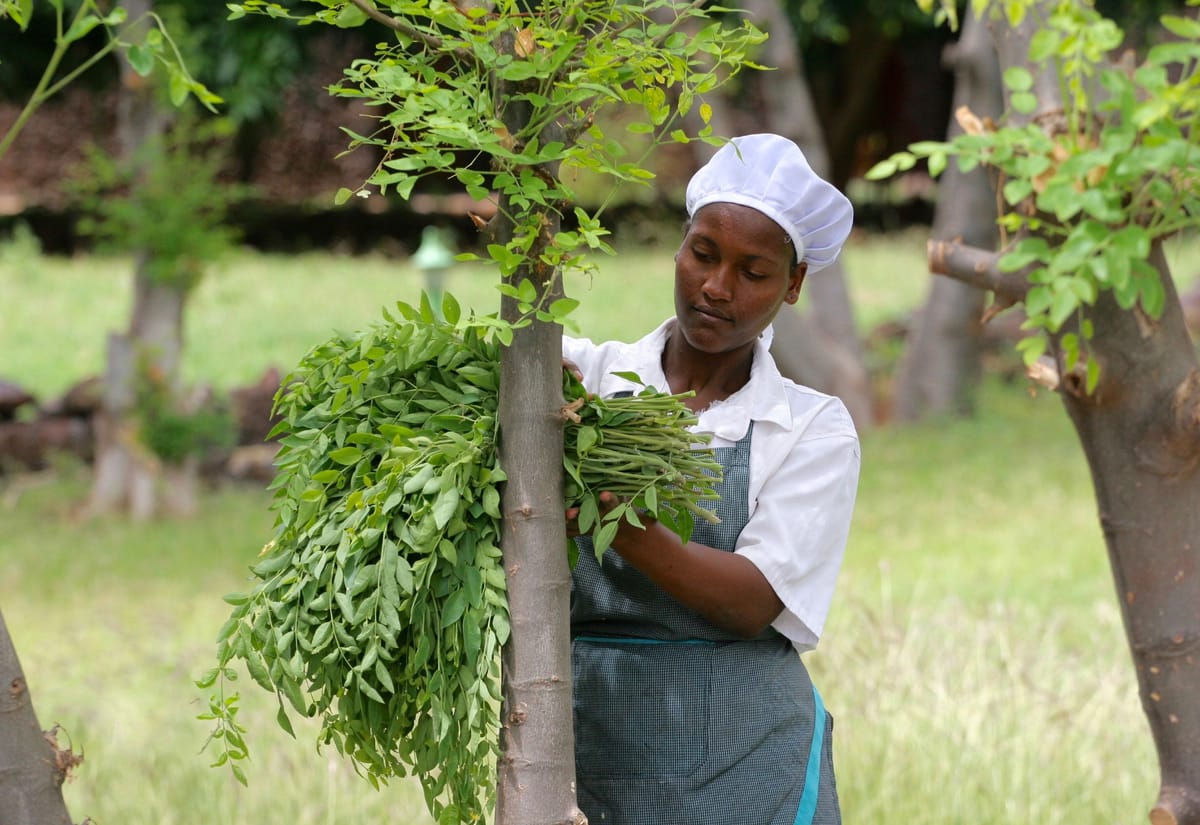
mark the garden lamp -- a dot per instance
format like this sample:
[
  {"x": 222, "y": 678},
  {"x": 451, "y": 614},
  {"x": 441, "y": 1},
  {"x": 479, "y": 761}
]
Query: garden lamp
[{"x": 433, "y": 257}]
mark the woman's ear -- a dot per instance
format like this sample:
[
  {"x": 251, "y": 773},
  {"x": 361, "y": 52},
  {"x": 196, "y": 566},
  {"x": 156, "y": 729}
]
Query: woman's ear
[{"x": 795, "y": 281}]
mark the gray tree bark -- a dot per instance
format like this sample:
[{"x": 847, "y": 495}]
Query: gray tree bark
[
  {"x": 536, "y": 771},
  {"x": 940, "y": 369},
  {"x": 1140, "y": 432},
  {"x": 127, "y": 478},
  {"x": 32, "y": 767}
]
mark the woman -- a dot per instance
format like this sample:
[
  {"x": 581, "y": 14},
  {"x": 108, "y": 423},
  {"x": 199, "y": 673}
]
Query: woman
[{"x": 692, "y": 705}]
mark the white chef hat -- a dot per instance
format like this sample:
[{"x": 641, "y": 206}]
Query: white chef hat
[{"x": 770, "y": 173}]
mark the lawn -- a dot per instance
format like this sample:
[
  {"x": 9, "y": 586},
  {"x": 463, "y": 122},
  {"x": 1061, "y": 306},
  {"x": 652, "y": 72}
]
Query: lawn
[{"x": 974, "y": 659}]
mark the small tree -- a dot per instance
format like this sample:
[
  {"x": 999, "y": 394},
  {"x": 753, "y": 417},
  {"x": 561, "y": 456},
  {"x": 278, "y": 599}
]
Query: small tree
[
  {"x": 1099, "y": 165},
  {"x": 500, "y": 99},
  {"x": 32, "y": 766}
]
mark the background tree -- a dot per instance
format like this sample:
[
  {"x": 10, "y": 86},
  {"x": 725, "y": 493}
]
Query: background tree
[
  {"x": 1099, "y": 168},
  {"x": 942, "y": 356},
  {"x": 33, "y": 766}
]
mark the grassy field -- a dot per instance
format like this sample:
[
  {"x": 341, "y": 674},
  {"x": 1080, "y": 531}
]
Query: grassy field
[{"x": 974, "y": 659}]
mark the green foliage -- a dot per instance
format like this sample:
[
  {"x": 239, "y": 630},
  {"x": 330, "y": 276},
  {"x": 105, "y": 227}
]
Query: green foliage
[
  {"x": 173, "y": 434},
  {"x": 380, "y": 605},
  {"x": 1087, "y": 202},
  {"x": 152, "y": 49},
  {"x": 443, "y": 85},
  {"x": 166, "y": 201}
]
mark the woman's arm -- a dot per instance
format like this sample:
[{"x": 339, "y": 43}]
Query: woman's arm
[{"x": 725, "y": 588}]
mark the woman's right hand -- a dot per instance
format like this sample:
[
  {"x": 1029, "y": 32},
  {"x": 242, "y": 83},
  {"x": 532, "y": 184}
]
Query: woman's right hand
[{"x": 573, "y": 368}]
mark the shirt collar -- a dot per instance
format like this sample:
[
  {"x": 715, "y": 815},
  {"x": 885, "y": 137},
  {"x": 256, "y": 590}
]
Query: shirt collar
[{"x": 764, "y": 397}]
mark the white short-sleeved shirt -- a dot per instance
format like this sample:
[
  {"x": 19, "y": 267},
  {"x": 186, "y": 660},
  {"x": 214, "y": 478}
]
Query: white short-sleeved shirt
[{"x": 804, "y": 464}]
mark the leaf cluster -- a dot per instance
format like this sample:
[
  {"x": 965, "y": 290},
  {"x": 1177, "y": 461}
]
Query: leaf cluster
[
  {"x": 640, "y": 449},
  {"x": 166, "y": 200},
  {"x": 443, "y": 85},
  {"x": 379, "y": 607},
  {"x": 171, "y": 432},
  {"x": 145, "y": 42},
  {"x": 1087, "y": 200}
]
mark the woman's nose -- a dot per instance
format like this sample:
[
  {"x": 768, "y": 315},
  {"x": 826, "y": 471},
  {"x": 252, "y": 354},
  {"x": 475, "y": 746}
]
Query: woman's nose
[{"x": 716, "y": 284}]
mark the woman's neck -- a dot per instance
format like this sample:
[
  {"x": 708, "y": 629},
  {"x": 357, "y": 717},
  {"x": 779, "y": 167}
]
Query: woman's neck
[{"x": 712, "y": 377}]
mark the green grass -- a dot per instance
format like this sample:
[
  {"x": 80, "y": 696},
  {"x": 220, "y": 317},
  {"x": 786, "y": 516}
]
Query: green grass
[{"x": 974, "y": 659}]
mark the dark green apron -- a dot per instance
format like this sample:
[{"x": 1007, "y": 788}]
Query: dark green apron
[{"x": 680, "y": 723}]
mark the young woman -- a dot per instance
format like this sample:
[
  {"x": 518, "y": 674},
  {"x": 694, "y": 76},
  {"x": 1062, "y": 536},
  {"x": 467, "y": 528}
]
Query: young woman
[{"x": 692, "y": 704}]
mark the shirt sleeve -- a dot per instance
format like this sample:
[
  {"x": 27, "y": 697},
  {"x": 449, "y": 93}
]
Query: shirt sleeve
[{"x": 797, "y": 533}]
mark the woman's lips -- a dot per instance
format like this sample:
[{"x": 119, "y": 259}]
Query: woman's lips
[{"x": 711, "y": 313}]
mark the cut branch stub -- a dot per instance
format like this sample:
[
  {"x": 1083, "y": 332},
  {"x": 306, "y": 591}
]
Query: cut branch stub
[{"x": 978, "y": 267}]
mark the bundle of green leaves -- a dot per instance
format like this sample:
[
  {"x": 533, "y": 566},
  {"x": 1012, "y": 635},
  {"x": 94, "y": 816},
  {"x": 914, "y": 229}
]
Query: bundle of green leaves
[{"x": 379, "y": 607}]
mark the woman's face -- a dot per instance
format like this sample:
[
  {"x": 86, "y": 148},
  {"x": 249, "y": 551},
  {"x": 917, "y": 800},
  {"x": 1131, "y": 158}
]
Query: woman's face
[{"x": 733, "y": 272}]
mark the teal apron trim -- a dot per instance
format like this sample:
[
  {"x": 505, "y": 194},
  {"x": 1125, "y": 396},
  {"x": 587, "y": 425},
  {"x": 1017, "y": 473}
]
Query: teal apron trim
[
  {"x": 632, "y": 640},
  {"x": 812, "y": 776}
]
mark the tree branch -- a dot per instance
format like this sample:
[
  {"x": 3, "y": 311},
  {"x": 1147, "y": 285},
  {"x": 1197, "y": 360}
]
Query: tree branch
[
  {"x": 682, "y": 16},
  {"x": 397, "y": 24},
  {"x": 977, "y": 267}
]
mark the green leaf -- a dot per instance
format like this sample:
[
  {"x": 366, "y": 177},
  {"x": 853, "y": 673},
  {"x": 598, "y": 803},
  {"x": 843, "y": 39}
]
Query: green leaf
[
  {"x": 80, "y": 28},
  {"x": 178, "y": 87},
  {"x": 563, "y": 307},
  {"x": 585, "y": 438},
  {"x": 1044, "y": 44},
  {"x": 404, "y": 576},
  {"x": 526, "y": 291},
  {"x": 588, "y": 514},
  {"x": 1018, "y": 79},
  {"x": 1093, "y": 375},
  {"x": 1016, "y": 190},
  {"x": 350, "y": 16},
  {"x": 1184, "y": 27},
  {"x": 1031, "y": 347},
  {"x": 445, "y": 506},
  {"x": 346, "y": 455},
  {"x": 20, "y": 11},
  {"x": 651, "y": 498},
  {"x": 1024, "y": 102},
  {"x": 1062, "y": 305},
  {"x": 451, "y": 310},
  {"x": 603, "y": 538},
  {"x": 141, "y": 59},
  {"x": 882, "y": 169},
  {"x": 454, "y": 607},
  {"x": 491, "y": 501},
  {"x": 281, "y": 717}
]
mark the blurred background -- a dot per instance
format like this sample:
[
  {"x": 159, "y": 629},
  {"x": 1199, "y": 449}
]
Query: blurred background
[{"x": 974, "y": 660}]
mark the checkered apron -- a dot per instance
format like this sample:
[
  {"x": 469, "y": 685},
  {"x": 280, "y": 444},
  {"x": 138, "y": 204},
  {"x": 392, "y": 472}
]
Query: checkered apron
[{"x": 680, "y": 723}]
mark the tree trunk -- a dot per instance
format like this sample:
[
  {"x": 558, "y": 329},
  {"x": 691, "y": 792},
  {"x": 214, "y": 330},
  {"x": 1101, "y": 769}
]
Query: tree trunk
[
  {"x": 536, "y": 771},
  {"x": 32, "y": 768},
  {"x": 1141, "y": 435},
  {"x": 127, "y": 477},
  {"x": 940, "y": 368},
  {"x": 1140, "y": 431}
]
